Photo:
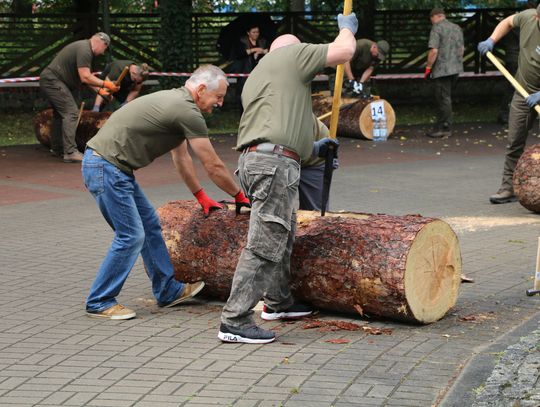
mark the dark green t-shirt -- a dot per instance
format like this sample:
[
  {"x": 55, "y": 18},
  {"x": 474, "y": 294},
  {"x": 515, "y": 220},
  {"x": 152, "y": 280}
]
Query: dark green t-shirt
[
  {"x": 362, "y": 58},
  {"x": 528, "y": 73},
  {"x": 113, "y": 71},
  {"x": 65, "y": 64},
  {"x": 277, "y": 98},
  {"x": 148, "y": 127}
]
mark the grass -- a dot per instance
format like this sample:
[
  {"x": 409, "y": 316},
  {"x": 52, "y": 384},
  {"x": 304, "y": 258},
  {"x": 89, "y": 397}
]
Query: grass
[{"x": 16, "y": 128}]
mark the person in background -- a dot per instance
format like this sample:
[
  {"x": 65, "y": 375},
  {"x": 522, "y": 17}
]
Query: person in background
[
  {"x": 130, "y": 86},
  {"x": 444, "y": 64},
  {"x": 246, "y": 54},
  {"x": 133, "y": 137},
  {"x": 61, "y": 81},
  {"x": 358, "y": 71}
]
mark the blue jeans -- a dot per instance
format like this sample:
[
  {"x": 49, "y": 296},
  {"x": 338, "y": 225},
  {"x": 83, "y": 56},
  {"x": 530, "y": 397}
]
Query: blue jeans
[{"x": 136, "y": 230}]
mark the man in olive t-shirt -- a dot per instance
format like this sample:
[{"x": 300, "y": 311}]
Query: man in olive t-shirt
[
  {"x": 61, "y": 81},
  {"x": 521, "y": 116},
  {"x": 131, "y": 84},
  {"x": 133, "y": 137},
  {"x": 275, "y": 134}
]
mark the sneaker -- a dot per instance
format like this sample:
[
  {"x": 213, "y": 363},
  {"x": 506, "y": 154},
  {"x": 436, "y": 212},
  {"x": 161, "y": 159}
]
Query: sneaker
[
  {"x": 189, "y": 291},
  {"x": 251, "y": 334},
  {"x": 295, "y": 311},
  {"x": 74, "y": 157},
  {"x": 115, "y": 312},
  {"x": 439, "y": 134},
  {"x": 503, "y": 196}
]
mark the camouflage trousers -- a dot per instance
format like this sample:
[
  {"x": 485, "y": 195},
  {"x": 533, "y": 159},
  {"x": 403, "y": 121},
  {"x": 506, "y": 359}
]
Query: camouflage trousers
[{"x": 271, "y": 183}]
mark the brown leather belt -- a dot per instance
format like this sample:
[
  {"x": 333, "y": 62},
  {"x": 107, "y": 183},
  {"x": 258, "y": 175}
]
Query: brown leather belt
[{"x": 274, "y": 149}]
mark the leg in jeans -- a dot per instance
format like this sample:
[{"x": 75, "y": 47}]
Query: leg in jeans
[
  {"x": 520, "y": 121},
  {"x": 154, "y": 253},
  {"x": 114, "y": 194},
  {"x": 271, "y": 183}
]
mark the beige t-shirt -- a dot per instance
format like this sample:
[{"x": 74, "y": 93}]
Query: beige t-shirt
[
  {"x": 66, "y": 63},
  {"x": 277, "y": 98},
  {"x": 528, "y": 73},
  {"x": 148, "y": 127}
]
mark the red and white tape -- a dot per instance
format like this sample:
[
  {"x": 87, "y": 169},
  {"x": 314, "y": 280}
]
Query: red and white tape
[{"x": 240, "y": 75}]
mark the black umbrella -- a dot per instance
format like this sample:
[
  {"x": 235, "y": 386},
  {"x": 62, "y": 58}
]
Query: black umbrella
[{"x": 238, "y": 27}]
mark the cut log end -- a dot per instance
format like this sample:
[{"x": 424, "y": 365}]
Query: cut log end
[{"x": 432, "y": 273}]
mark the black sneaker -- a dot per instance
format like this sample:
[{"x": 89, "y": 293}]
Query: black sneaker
[
  {"x": 252, "y": 334},
  {"x": 295, "y": 311}
]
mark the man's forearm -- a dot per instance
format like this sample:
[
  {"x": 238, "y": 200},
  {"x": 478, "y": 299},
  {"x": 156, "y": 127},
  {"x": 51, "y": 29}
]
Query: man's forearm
[
  {"x": 502, "y": 29},
  {"x": 366, "y": 75},
  {"x": 432, "y": 57},
  {"x": 221, "y": 176}
]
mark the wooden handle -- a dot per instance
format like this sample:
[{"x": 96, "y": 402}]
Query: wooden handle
[
  {"x": 510, "y": 78},
  {"x": 336, "y": 102},
  {"x": 536, "y": 277},
  {"x": 122, "y": 76},
  {"x": 80, "y": 114}
]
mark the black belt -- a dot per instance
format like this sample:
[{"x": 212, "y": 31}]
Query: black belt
[{"x": 274, "y": 149}]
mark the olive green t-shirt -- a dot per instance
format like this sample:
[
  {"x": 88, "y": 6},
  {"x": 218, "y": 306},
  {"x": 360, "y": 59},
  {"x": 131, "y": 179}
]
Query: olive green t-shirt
[
  {"x": 65, "y": 64},
  {"x": 319, "y": 131},
  {"x": 148, "y": 127},
  {"x": 115, "y": 68},
  {"x": 277, "y": 98},
  {"x": 528, "y": 73},
  {"x": 362, "y": 58}
]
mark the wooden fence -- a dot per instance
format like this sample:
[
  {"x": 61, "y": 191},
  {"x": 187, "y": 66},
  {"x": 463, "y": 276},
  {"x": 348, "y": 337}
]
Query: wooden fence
[{"x": 29, "y": 42}]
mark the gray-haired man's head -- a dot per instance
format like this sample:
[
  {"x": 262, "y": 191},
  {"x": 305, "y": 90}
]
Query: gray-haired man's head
[{"x": 208, "y": 86}]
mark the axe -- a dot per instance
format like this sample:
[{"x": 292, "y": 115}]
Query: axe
[
  {"x": 122, "y": 76},
  {"x": 336, "y": 103},
  {"x": 536, "y": 287}
]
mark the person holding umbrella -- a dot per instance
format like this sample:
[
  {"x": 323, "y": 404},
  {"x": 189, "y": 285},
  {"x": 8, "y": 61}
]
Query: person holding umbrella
[{"x": 275, "y": 134}]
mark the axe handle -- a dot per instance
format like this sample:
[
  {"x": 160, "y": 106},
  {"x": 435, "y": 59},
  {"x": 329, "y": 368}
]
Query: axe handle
[
  {"x": 80, "y": 114},
  {"x": 122, "y": 76},
  {"x": 510, "y": 78},
  {"x": 336, "y": 103},
  {"x": 537, "y": 273}
]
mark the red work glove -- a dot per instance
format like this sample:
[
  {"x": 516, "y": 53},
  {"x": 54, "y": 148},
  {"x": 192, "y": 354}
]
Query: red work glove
[
  {"x": 427, "y": 73},
  {"x": 111, "y": 86},
  {"x": 206, "y": 202},
  {"x": 241, "y": 202}
]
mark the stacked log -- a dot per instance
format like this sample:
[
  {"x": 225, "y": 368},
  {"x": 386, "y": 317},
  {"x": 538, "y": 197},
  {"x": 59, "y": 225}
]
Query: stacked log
[
  {"x": 527, "y": 178},
  {"x": 89, "y": 125},
  {"x": 404, "y": 268},
  {"x": 354, "y": 118}
]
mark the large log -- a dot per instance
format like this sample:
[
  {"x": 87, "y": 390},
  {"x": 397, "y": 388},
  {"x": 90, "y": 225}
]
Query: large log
[
  {"x": 399, "y": 267},
  {"x": 89, "y": 125},
  {"x": 527, "y": 178},
  {"x": 355, "y": 120}
]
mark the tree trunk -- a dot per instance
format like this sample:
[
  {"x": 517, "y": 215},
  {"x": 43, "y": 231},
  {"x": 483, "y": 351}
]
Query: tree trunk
[
  {"x": 355, "y": 119},
  {"x": 89, "y": 125},
  {"x": 399, "y": 267},
  {"x": 527, "y": 178}
]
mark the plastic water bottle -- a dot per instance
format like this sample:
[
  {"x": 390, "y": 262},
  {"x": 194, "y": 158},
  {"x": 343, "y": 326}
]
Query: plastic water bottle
[{"x": 380, "y": 133}]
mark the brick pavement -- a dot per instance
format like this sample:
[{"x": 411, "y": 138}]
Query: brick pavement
[{"x": 53, "y": 239}]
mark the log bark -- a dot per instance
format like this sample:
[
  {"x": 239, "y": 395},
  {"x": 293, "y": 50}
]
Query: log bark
[
  {"x": 527, "y": 178},
  {"x": 354, "y": 121},
  {"x": 89, "y": 125},
  {"x": 404, "y": 268}
]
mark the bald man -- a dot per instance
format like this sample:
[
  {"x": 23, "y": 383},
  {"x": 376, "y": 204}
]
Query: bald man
[{"x": 275, "y": 135}]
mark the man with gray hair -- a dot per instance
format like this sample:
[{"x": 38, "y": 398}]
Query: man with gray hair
[
  {"x": 521, "y": 116},
  {"x": 133, "y": 137},
  {"x": 61, "y": 80}
]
